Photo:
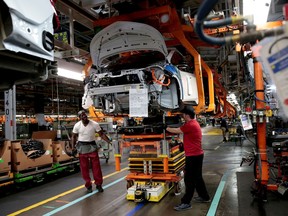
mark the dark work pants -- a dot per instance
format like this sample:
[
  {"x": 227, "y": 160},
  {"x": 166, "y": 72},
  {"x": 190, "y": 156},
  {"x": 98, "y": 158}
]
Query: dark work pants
[
  {"x": 85, "y": 160},
  {"x": 193, "y": 179}
]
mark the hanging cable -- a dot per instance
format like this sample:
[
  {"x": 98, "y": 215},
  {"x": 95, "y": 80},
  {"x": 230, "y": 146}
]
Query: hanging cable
[
  {"x": 161, "y": 80},
  {"x": 58, "y": 111},
  {"x": 251, "y": 34}
]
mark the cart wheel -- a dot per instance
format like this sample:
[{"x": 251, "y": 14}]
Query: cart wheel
[
  {"x": 179, "y": 187},
  {"x": 130, "y": 183}
]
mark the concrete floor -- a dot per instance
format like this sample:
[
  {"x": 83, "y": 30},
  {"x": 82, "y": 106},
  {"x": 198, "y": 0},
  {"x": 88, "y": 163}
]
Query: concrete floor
[{"x": 67, "y": 196}]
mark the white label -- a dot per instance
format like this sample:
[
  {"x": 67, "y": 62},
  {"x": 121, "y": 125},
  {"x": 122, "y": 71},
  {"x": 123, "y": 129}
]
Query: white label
[{"x": 138, "y": 102}]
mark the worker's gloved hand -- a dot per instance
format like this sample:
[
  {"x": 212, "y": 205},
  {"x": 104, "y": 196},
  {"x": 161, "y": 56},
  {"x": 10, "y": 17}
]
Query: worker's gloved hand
[
  {"x": 181, "y": 147},
  {"x": 74, "y": 152}
]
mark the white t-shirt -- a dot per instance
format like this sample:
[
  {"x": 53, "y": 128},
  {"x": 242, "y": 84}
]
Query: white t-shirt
[{"x": 86, "y": 133}]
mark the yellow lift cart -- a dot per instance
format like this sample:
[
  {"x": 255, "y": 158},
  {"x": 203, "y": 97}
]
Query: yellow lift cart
[{"x": 155, "y": 164}]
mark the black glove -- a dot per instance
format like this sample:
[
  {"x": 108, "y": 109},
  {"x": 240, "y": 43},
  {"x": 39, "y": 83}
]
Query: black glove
[{"x": 72, "y": 153}]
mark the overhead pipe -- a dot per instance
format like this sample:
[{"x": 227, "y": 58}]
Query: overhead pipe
[{"x": 250, "y": 35}]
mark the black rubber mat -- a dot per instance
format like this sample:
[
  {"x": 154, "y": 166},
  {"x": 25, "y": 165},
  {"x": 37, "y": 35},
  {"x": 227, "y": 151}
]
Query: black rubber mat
[{"x": 275, "y": 205}]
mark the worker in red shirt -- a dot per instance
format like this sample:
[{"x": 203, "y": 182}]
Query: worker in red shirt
[{"x": 194, "y": 155}]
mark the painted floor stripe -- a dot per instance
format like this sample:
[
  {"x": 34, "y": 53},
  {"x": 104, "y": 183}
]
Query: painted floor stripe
[
  {"x": 215, "y": 202},
  {"x": 82, "y": 198},
  {"x": 133, "y": 211},
  {"x": 59, "y": 195},
  {"x": 50, "y": 207}
]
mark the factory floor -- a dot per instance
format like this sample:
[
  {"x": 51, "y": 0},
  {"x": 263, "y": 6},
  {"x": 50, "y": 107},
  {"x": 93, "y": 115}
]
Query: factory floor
[{"x": 227, "y": 182}]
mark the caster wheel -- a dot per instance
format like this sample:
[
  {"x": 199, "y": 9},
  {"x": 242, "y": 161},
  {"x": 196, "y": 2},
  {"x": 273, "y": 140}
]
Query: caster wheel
[{"x": 130, "y": 183}]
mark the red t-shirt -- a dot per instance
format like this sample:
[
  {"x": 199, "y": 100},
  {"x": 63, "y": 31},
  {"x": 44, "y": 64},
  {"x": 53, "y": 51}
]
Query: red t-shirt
[{"x": 192, "y": 138}]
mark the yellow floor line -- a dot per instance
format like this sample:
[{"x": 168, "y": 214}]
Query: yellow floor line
[
  {"x": 214, "y": 131},
  {"x": 59, "y": 195}
]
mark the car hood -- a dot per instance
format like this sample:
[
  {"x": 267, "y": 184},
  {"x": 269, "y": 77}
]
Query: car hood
[{"x": 124, "y": 36}]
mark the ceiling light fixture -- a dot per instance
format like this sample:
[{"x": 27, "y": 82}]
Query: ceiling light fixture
[{"x": 70, "y": 74}]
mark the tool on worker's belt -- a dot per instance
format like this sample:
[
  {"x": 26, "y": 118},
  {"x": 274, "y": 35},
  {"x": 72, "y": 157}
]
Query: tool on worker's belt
[
  {"x": 66, "y": 131},
  {"x": 69, "y": 150}
]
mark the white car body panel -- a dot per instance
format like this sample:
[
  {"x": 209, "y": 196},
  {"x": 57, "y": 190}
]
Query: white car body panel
[
  {"x": 29, "y": 20},
  {"x": 190, "y": 93},
  {"x": 26, "y": 41},
  {"x": 121, "y": 37}
]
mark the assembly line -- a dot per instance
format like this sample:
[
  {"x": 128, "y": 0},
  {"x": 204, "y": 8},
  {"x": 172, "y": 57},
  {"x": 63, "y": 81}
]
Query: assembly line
[{"x": 182, "y": 108}]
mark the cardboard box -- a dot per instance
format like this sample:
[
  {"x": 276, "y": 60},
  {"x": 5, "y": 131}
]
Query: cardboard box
[
  {"x": 59, "y": 151},
  {"x": 5, "y": 157},
  {"x": 20, "y": 161},
  {"x": 44, "y": 135}
]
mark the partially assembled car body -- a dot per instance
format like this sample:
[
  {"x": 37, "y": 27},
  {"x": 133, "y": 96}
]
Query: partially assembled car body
[
  {"x": 131, "y": 55},
  {"x": 26, "y": 41}
]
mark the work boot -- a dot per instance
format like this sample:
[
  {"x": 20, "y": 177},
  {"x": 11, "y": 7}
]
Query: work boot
[
  {"x": 201, "y": 200},
  {"x": 99, "y": 188},
  {"x": 182, "y": 207},
  {"x": 89, "y": 189}
]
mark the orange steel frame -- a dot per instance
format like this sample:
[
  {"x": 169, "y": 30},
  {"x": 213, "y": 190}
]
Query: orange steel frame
[
  {"x": 262, "y": 166},
  {"x": 176, "y": 31},
  {"x": 178, "y": 34},
  {"x": 263, "y": 176}
]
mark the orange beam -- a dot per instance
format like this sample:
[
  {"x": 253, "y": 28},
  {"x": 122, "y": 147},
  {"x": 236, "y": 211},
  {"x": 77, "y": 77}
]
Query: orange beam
[
  {"x": 117, "y": 163},
  {"x": 154, "y": 176},
  {"x": 87, "y": 67},
  {"x": 165, "y": 165},
  {"x": 141, "y": 136},
  {"x": 211, "y": 106},
  {"x": 261, "y": 127},
  {"x": 176, "y": 29},
  {"x": 270, "y": 25}
]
